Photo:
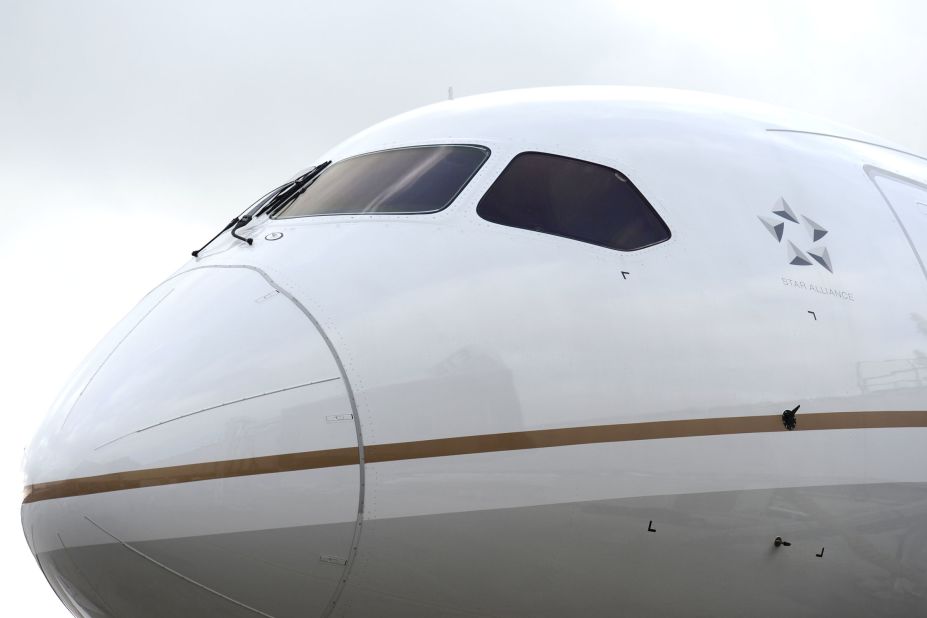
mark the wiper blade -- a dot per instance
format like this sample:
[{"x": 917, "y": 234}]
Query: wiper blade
[
  {"x": 270, "y": 204},
  {"x": 285, "y": 197}
]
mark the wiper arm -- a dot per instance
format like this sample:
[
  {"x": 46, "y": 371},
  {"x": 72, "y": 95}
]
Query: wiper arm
[
  {"x": 270, "y": 203},
  {"x": 235, "y": 224},
  {"x": 242, "y": 222},
  {"x": 209, "y": 242}
]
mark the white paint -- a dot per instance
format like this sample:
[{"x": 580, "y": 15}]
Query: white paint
[{"x": 448, "y": 325}]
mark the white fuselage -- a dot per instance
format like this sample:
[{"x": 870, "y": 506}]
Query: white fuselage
[{"x": 433, "y": 414}]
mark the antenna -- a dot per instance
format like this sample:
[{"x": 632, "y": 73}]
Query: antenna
[{"x": 450, "y": 93}]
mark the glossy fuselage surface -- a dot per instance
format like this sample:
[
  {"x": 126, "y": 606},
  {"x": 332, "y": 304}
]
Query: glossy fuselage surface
[{"x": 432, "y": 414}]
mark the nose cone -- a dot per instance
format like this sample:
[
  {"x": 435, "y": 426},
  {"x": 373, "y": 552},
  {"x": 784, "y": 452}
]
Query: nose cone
[{"x": 203, "y": 460}]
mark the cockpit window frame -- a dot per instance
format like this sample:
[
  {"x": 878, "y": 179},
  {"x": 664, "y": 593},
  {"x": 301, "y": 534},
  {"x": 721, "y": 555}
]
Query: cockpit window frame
[
  {"x": 668, "y": 233},
  {"x": 487, "y": 154}
]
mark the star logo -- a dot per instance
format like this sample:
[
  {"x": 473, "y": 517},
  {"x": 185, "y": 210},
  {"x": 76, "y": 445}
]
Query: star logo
[{"x": 781, "y": 225}]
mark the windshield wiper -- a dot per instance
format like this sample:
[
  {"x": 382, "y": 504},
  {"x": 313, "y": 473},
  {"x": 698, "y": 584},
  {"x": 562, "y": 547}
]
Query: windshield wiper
[
  {"x": 209, "y": 242},
  {"x": 270, "y": 203},
  {"x": 283, "y": 198}
]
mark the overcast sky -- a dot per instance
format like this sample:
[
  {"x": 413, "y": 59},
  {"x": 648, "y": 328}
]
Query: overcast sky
[{"x": 131, "y": 131}]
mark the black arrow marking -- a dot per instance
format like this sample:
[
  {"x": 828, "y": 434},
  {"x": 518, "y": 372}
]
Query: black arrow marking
[
  {"x": 821, "y": 555},
  {"x": 814, "y": 316},
  {"x": 650, "y": 527},
  {"x": 624, "y": 274}
]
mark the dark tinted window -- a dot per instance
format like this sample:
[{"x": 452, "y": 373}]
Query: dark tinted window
[
  {"x": 575, "y": 199},
  {"x": 405, "y": 180}
]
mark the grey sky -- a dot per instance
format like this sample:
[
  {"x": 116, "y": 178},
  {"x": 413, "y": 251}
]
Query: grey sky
[
  {"x": 203, "y": 102},
  {"x": 132, "y": 131}
]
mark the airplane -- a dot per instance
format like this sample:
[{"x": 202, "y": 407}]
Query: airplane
[{"x": 580, "y": 351}]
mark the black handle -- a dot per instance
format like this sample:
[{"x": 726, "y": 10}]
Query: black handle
[{"x": 242, "y": 223}]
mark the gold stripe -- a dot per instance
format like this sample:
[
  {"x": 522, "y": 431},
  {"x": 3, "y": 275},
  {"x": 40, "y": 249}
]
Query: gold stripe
[
  {"x": 189, "y": 473},
  {"x": 468, "y": 445}
]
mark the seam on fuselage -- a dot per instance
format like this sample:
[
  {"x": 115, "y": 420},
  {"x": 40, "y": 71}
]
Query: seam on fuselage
[
  {"x": 358, "y": 524},
  {"x": 142, "y": 554},
  {"x": 872, "y": 172},
  {"x": 215, "y": 407},
  {"x": 110, "y": 354}
]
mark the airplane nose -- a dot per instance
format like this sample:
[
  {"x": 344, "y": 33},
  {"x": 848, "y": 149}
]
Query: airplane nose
[{"x": 203, "y": 460}]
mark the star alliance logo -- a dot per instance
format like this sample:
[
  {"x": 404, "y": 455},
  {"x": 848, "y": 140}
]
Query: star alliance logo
[{"x": 813, "y": 252}]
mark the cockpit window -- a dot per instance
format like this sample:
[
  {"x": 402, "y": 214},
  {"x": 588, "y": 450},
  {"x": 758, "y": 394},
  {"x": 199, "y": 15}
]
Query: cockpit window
[
  {"x": 419, "y": 179},
  {"x": 574, "y": 199}
]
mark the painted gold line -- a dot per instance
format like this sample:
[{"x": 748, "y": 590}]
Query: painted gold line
[
  {"x": 468, "y": 445},
  {"x": 653, "y": 430},
  {"x": 189, "y": 473}
]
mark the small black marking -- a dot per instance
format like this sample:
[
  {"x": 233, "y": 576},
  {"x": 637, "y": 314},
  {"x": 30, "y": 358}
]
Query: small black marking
[
  {"x": 813, "y": 315},
  {"x": 788, "y": 418},
  {"x": 624, "y": 274},
  {"x": 650, "y": 527},
  {"x": 821, "y": 555},
  {"x": 779, "y": 542}
]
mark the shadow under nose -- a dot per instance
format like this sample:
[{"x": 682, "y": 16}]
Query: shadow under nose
[{"x": 264, "y": 573}]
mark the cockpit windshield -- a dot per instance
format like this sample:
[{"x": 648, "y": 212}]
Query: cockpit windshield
[{"x": 418, "y": 179}]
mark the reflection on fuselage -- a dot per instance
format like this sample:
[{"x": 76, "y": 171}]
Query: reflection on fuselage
[{"x": 414, "y": 407}]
